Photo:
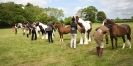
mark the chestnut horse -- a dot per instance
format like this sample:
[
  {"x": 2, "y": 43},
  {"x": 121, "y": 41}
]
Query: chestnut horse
[
  {"x": 116, "y": 30},
  {"x": 62, "y": 29}
]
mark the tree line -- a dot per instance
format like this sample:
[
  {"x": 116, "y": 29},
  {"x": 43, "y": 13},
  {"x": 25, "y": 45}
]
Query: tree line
[{"x": 11, "y": 13}]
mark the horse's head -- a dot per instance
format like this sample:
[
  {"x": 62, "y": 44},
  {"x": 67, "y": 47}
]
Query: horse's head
[
  {"x": 57, "y": 25},
  {"x": 108, "y": 23},
  {"x": 37, "y": 24},
  {"x": 73, "y": 19}
]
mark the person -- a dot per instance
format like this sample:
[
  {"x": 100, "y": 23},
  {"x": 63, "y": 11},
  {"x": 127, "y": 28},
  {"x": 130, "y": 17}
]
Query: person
[
  {"x": 49, "y": 31},
  {"x": 73, "y": 33},
  {"x": 33, "y": 31},
  {"x": 15, "y": 27},
  {"x": 98, "y": 37}
]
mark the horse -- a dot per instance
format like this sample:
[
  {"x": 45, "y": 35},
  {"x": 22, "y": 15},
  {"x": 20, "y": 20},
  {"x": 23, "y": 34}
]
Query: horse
[
  {"x": 62, "y": 29},
  {"x": 20, "y": 25},
  {"x": 116, "y": 30},
  {"x": 27, "y": 29},
  {"x": 41, "y": 27},
  {"x": 84, "y": 27}
]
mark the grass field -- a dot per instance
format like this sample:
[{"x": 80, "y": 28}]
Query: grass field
[{"x": 17, "y": 50}]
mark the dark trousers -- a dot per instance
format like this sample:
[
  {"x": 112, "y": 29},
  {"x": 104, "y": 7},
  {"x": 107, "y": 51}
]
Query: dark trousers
[
  {"x": 50, "y": 39},
  {"x": 16, "y": 30},
  {"x": 34, "y": 35}
]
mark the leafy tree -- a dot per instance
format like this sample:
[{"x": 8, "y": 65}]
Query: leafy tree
[
  {"x": 89, "y": 13},
  {"x": 101, "y": 16},
  {"x": 54, "y": 12},
  {"x": 32, "y": 13},
  {"x": 67, "y": 20},
  {"x": 132, "y": 18},
  {"x": 11, "y": 13}
]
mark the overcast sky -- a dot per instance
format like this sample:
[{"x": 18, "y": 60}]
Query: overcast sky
[{"x": 113, "y": 8}]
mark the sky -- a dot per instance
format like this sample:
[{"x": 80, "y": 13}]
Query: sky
[{"x": 112, "y": 8}]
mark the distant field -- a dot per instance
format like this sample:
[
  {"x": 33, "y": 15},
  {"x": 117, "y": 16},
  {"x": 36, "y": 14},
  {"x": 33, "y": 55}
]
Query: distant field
[{"x": 17, "y": 50}]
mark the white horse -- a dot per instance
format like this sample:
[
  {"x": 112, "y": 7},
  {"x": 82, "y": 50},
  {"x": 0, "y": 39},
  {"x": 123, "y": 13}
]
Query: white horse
[{"x": 87, "y": 26}]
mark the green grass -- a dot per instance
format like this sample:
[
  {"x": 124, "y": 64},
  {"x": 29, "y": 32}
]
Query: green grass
[{"x": 17, "y": 50}]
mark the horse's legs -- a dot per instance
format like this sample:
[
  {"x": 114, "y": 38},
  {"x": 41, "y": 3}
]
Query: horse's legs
[
  {"x": 123, "y": 37},
  {"x": 106, "y": 37},
  {"x": 37, "y": 32},
  {"x": 89, "y": 37},
  {"x": 43, "y": 36},
  {"x": 115, "y": 41},
  {"x": 112, "y": 42},
  {"x": 62, "y": 37},
  {"x": 24, "y": 31},
  {"x": 46, "y": 35},
  {"x": 129, "y": 40},
  {"x": 81, "y": 39},
  {"x": 85, "y": 38}
]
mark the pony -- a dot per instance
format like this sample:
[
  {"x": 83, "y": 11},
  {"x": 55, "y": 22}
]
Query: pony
[
  {"x": 27, "y": 29},
  {"x": 116, "y": 30},
  {"x": 41, "y": 27},
  {"x": 62, "y": 29},
  {"x": 84, "y": 27}
]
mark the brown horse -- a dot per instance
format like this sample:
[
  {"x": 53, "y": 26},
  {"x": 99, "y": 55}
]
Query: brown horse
[
  {"x": 116, "y": 30},
  {"x": 62, "y": 29}
]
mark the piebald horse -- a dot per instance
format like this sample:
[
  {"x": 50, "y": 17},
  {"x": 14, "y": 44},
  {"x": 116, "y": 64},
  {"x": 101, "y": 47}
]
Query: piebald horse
[
  {"x": 84, "y": 28},
  {"x": 41, "y": 27},
  {"x": 116, "y": 30}
]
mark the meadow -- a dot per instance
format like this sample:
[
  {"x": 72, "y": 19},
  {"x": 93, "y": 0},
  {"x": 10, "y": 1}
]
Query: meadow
[{"x": 18, "y": 50}]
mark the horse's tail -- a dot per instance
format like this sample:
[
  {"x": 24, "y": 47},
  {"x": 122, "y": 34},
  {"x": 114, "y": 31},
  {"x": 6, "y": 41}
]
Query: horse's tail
[{"x": 129, "y": 33}]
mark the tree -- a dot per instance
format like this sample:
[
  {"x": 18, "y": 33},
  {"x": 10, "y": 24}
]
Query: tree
[
  {"x": 101, "y": 16},
  {"x": 33, "y": 13},
  {"x": 67, "y": 20},
  {"x": 11, "y": 13},
  {"x": 89, "y": 13},
  {"x": 132, "y": 18},
  {"x": 57, "y": 13}
]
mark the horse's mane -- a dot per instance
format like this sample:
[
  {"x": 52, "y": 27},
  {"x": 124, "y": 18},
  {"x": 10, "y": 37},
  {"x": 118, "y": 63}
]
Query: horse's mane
[
  {"x": 110, "y": 21},
  {"x": 60, "y": 24}
]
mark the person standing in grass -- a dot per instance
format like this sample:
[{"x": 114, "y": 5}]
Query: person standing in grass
[
  {"x": 98, "y": 37},
  {"x": 73, "y": 33},
  {"x": 49, "y": 31},
  {"x": 16, "y": 28},
  {"x": 33, "y": 31}
]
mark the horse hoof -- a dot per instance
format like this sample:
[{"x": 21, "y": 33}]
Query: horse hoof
[
  {"x": 112, "y": 48},
  {"x": 81, "y": 43},
  {"x": 85, "y": 42}
]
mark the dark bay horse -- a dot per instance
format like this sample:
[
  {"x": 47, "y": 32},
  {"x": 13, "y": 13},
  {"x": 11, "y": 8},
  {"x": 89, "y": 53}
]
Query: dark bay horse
[
  {"x": 62, "y": 29},
  {"x": 116, "y": 30}
]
